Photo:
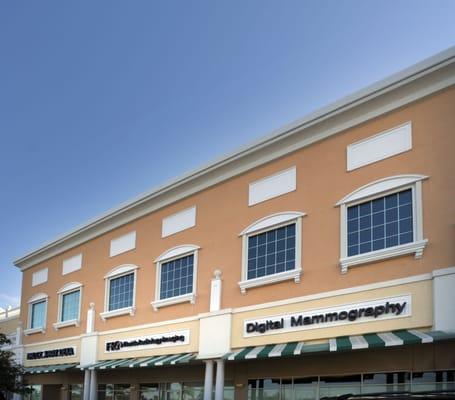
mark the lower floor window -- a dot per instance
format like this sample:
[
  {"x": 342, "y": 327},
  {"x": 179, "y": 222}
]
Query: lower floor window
[
  {"x": 35, "y": 394},
  {"x": 179, "y": 391},
  {"x": 76, "y": 392},
  {"x": 313, "y": 388},
  {"x": 114, "y": 392}
]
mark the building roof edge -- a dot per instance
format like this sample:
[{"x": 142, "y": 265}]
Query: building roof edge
[{"x": 136, "y": 207}]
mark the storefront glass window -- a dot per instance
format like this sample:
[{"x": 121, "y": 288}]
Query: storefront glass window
[
  {"x": 314, "y": 388},
  {"x": 35, "y": 394},
  {"x": 439, "y": 380},
  {"x": 229, "y": 391},
  {"x": 305, "y": 389},
  {"x": 171, "y": 391},
  {"x": 113, "y": 392},
  {"x": 150, "y": 391},
  {"x": 193, "y": 391},
  {"x": 338, "y": 385},
  {"x": 264, "y": 389},
  {"x": 386, "y": 382},
  {"x": 76, "y": 392}
]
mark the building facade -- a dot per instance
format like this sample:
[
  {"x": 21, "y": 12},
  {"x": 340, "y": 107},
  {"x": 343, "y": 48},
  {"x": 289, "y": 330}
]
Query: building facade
[{"x": 319, "y": 261}]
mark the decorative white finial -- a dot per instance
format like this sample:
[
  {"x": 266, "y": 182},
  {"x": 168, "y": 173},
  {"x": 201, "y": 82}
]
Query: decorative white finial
[{"x": 217, "y": 274}]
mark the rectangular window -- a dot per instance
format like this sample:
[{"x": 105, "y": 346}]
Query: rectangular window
[
  {"x": 76, "y": 392},
  {"x": 380, "y": 223},
  {"x": 339, "y": 385},
  {"x": 114, "y": 392},
  {"x": 38, "y": 314},
  {"x": 121, "y": 292},
  {"x": 35, "y": 394},
  {"x": 271, "y": 252},
  {"x": 177, "y": 277},
  {"x": 70, "y": 306}
]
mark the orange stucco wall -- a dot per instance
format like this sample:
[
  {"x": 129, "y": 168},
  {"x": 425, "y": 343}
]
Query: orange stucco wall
[{"x": 223, "y": 212}]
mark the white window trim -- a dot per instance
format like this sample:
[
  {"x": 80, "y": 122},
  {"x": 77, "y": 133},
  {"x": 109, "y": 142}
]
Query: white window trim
[
  {"x": 117, "y": 272},
  {"x": 33, "y": 300},
  {"x": 68, "y": 288},
  {"x": 263, "y": 225},
  {"x": 380, "y": 188},
  {"x": 169, "y": 255}
]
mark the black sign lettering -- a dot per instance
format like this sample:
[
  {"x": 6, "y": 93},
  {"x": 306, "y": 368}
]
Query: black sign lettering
[
  {"x": 38, "y": 355},
  {"x": 118, "y": 345},
  {"x": 350, "y": 315}
]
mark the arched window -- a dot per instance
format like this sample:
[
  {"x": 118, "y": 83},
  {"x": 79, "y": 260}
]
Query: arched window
[
  {"x": 272, "y": 250},
  {"x": 37, "y": 314},
  {"x": 176, "y": 272},
  {"x": 120, "y": 291},
  {"x": 69, "y": 305},
  {"x": 382, "y": 219}
]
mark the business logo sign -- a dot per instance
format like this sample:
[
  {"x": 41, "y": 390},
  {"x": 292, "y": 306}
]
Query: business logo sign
[
  {"x": 54, "y": 353},
  {"x": 387, "y": 308},
  {"x": 167, "y": 339}
]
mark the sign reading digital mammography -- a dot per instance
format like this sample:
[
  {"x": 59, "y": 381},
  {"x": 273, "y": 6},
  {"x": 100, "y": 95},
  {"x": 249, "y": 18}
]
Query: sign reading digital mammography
[
  {"x": 386, "y": 308},
  {"x": 167, "y": 339}
]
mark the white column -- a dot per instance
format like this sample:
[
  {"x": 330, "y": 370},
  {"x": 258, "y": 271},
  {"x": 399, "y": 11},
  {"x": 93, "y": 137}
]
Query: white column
[
  {"x": 93, "y": 385},
  {"x": 215, "y": 291},
  {"x": 18, "y": 336},
  {"x": 86, "y": 385},
  {"x": 208, "y": 382},
  {"x": 91, "y": 319},
  {"x": 219, "y": 383},
  {"x": 444, "y": 299}
]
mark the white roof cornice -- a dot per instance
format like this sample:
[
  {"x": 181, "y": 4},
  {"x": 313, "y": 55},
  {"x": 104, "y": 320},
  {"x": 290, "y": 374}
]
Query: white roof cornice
[{"x": 411, "y": 84}]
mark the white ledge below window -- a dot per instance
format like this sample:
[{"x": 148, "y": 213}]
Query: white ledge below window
[
  {"x": 269, "y": 279},
  {"x": 190, "y": 297},
  {"x": 31, "y": 331},
  {"x": 64, "y": 324},
  {"x": 408, "y": 248},
  {"x": 115, "y": 313}
]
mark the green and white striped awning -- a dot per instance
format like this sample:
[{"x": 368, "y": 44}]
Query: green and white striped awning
[
  {"x": 387, "y": 339},
  {"x": 142, "y": 362},
  {"x": 46, "y": 369},
  {"x": 343, "y": 343}
]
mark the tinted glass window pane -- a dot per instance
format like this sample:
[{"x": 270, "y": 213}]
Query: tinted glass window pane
[
  {"x": 305, "y": 388},
  {"x": 150, "y": 391},
  {"x": 177, "y": 276},
  {"x": 388, "y": 218},
  {"x": 76, "y": 392},
  {"x": 38, "y": 314},
  {"x": 121, "y": 292},
  {"x": 277, "y": 254},
  {"x": 339, "y": 385},
  {"x": 70, "y": 306},
  {"x": 386, "y": 382}
]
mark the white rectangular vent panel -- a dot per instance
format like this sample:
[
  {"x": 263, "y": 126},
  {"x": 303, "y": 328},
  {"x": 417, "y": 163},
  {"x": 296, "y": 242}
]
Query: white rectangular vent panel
[
  {"x": 379, "y": 147},
  {"x": 39, "y": 277},
  {"x": 72, "y": 264},
  {"x": 178, "y": 222},
  {"x": 123, "y": 243},
  {"x": 272, "y": 186}
]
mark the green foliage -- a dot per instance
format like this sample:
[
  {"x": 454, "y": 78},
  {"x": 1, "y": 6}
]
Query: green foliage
[{"x": 10, "y": 371}]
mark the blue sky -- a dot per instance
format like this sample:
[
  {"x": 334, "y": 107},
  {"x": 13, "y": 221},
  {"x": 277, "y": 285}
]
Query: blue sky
[{"x": 100, "y": 101}]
